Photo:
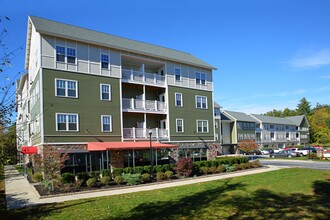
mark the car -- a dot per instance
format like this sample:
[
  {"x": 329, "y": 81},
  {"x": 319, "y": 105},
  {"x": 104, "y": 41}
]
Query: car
[
  {"x": 267, "y": 151},
  {"x": 283, "y": 153},
  {"x": 306, "y": 150}
]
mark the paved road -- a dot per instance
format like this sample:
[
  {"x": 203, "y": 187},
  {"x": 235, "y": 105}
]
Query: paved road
[{"x": 297, "y": 163}]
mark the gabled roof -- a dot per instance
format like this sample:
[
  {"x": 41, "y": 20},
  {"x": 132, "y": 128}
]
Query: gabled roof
[
  {"x": 239, "y": 116},
  {"x": 216, "y": 105},
  {"x": 223, "y": 117},
  {"x": 273, "y": 120},
  {"x": 297, "y": 120},
  {"x": 66, "y": 31}
]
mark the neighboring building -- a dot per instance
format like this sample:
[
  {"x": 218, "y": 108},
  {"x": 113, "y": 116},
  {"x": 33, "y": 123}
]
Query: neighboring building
[
  {"x": 236, "y": 127},
  {"x": 281, "y": 132},
  {"x": 87, "y": 92}
]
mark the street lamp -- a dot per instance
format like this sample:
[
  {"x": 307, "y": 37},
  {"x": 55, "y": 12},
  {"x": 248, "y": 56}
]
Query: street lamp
[{"x": 151, "y": 159}]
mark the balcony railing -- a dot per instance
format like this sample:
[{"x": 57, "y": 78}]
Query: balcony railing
[
  {"x": 144, "y": 105},
  {"x": 143, "y": 77},
  {"x": 143, "y": 133}
]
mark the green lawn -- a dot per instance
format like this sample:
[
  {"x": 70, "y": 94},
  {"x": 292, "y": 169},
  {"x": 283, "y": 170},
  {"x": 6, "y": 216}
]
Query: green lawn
[{"x": 287, "y": 193}]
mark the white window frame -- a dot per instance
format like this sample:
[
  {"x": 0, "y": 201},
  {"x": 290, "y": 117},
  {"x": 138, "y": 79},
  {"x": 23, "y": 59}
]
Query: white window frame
[
  {"x": 63, "y": 54},
  {"x": 75, "y": 55},
  {"x": 102, "y": 116},
  {"x": 199, "y": 79},
  {"x": 66, "y": 88},
  {"x": 67, "y": 121},
  {"x": 201, "y": 103},
  {"x": 175, "y": 75},
  {"x": 176, "y": 104},
  {"x": 104, "y": 84},
  {"x": 108, "y": 61},
  {"x": 176, "y": 125},
  {"x": 203, "y": 121}
]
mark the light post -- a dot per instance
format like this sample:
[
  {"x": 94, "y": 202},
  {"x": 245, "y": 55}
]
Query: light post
[{"x": 151, "y": 159}]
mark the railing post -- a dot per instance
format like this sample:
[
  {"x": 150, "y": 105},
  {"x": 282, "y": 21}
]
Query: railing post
[
  {"x": 156, "y": 106},
  {"x": 133, "y": 131},
  {"x": 132, "y": 77},
  {"x": 157, "y": 135},
  {"x": 155, "y": 79},
  {"x": 132, "y": 103}
]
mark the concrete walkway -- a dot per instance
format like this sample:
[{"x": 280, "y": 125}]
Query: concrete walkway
[{"x": 19, "y": 192}]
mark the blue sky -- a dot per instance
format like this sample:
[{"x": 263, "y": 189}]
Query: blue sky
[{"x": 269, "y": 54}]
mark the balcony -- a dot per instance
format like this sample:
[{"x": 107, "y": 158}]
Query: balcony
[
  {"x": 143, "y": 77},
  {"x": 138, "y": 105},
  {"x": 143, "y": 133}
]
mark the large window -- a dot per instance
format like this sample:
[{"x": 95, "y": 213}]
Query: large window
[
  {"x": 177, "y": 72},
  {"x": 201, "y": 102},
  {"x": 178, "y": 100},
  {"x": 105, "y": 92},
  {"x": 202, "y": 126},
  {"x": 200, "y": 78},
  {"x": 105, "y": 61},
  {"x": 106, "y": 123},
  {"x": 66, "y": 122},
  {"x": 179, "y": 125},
  {"x": 70, "y": 54},
  {"x": 66, "y": 88}
]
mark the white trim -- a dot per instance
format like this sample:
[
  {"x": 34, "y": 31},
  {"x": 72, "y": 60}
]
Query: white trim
[
  {"x": 110, "y": 93},
  {"x": 177, "y": 93},
  {"x": 176, "y": 125},
  {"x": 66, "y": 88},
  {"x": 67, "y": 121},
  {"x": 202, "y": 126},
  {"x": 110, "y": 123},
  {"x": 60, "y": 143},
  {"x": 107, "y": 54}
]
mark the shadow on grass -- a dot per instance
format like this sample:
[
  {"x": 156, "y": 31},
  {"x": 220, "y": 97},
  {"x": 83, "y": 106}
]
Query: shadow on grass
[
  {"x": 265, "y": 204},
  {"x": 183, "y": 206}
]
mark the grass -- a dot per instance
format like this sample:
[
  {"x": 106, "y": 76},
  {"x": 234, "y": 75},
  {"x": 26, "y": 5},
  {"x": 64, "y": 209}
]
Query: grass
[
  {"x": 304, "y": 158},
  {"x": 283, "y": 194},
  {"x": 3, "y": 205}
]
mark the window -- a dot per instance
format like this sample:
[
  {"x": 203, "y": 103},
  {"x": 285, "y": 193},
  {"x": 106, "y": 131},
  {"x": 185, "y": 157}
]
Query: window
[
  {"x": 106, "y": 92},
  {"x": 200, "y": 78},
  {"x": 71, "y": 55},
  {"x": 202, "y": 126},
  {"x": 66, "y": 88},
  {"x": 201, "y": 102},
  {"x": 178, "y": 100},
  {"x": 106, "y": 123},
  {"x": 179, "y": 125},
  {"x": 177, "y": 72},
  {"x": 60, "y": 54},
  {"x": 105, "y": 61},
  {"x": 66, "y": 122}
]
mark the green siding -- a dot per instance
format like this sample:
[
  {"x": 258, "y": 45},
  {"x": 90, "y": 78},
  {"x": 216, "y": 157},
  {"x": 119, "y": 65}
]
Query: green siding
[
  {"x": 88, "y": 106},
  {"x": 189, "y": 113}
]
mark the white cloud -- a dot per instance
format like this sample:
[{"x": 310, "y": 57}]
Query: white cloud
[
  {"x": 311, "y": 60},
  {"x": 322, "y": 89},
  {"x": 325, "y": 77}
]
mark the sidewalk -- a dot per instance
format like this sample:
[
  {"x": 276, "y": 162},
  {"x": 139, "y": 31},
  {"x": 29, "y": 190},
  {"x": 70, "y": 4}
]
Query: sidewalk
[{"x": 19, "y": 192}]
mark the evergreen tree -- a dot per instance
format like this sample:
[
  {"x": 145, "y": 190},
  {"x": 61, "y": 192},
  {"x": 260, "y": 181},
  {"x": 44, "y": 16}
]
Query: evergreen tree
[{"x": 304, "y": 107}]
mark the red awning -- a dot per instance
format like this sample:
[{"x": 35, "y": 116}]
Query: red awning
[
  {"x": 97, "y": 146},
  {"x": 29, "y": 150}
]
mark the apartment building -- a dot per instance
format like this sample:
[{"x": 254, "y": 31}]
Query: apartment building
[
  {"x": 103, "y": 99},
  {"x": 281, "y": 132},
  {"x": 236, "y": 127}
]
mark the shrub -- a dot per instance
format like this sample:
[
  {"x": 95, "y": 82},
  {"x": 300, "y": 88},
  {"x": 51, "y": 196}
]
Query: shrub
[
  {"x": 204, "y": 170},
  {"x": 128, "y": 170},
  {"x": 132, "y": 179},
  {"x": 106, "y": 180},
  {"x": 229, "y": 168},
  {"x": 169, "y": 174},
  {"x": 106, "y": 172},
  {"x": 118, "y": 179},
  {"x": 146, "y": 178},
  {"x": 83, "y": 177},
  {"x": 147, "y": 169},
  {"x": 117, "y": 172},
  {"x": 184, "y": 167},
  {"x": 167, "y": 167},
  {"x": 221, "y": 169},
  {"x": 138, "y": 169},
  {"x": 159, "y": 168},
  {"x": 256, "y": 164},
  {"x": 95, "y": 174},
  {"x": 37, "y": 177},
  {"x": 213, "y": 169},
  {"x": 91, "y": 182},
  {"x": 237, "y": 166},
  {"x": 160, "y": 176},
  {"x": 67, "y": 178}
]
